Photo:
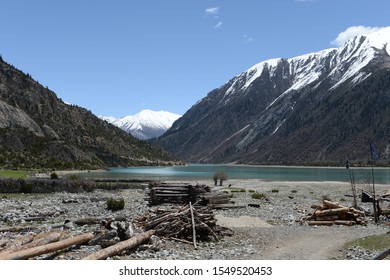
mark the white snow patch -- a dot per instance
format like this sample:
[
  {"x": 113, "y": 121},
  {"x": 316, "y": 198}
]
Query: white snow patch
[{"x": 276, "y": 129}]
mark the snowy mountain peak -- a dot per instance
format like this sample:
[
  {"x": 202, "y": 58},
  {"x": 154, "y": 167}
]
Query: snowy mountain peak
[
  {"x": 337, "y": 64},
  {"x": 380, "y": 39},
  {"x": 145, "y": 124}
]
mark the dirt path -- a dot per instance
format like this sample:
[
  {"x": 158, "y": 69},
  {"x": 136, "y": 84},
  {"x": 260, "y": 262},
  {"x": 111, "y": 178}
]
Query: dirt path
[{"x": 305, "y": 243}]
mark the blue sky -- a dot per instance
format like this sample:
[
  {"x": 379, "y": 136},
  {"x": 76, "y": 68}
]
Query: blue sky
[{"x": 117, "y": 57}]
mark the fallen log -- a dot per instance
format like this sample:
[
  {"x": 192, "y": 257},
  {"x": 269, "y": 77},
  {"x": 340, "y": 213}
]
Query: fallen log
[
  {"x": 44, "y": 249},
  {"x": 16, "y": 229},
  {"x": 97, "y": 220},
  {"x": 18, "y": 242},
  {"x": 121, "y": 246},
  {"x": 382, "y": 255},
  {"x": 38, "y": 240}
]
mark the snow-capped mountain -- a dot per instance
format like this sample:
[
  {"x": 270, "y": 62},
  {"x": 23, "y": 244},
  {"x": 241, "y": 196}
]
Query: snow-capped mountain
[
  {"x": 293, "y": 110},
  {"x": 145, "y": 124}
]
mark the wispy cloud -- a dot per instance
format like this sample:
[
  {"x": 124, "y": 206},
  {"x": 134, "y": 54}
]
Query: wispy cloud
[
  {"x": 212, "y": 11},
  {"x": 246, "y": 39},
  {"x": 353, "y": 31},
  {"x": 218, "y": 25}
]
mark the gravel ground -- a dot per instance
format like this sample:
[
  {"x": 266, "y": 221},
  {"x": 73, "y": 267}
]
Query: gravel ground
[{"x": 270, "y": 231}]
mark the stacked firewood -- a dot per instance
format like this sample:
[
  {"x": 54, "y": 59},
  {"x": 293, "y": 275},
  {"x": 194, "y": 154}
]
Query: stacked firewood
[
  {"x": 187, "y": 223},
  {"x": 332, "y": 213},
  {"x": 175, "y": 193},
  {"x": 160, "y": 193}
]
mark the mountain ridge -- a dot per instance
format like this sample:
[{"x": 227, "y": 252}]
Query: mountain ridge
[
  {"x": 247, "y": 119},
  {"x": 39, "y": 130}
]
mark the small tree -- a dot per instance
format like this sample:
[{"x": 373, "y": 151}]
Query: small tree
[
  {"x": 215, "y": 178},
  {"x": 221, "y": 176},
  {"x": 54, "y": 176}
]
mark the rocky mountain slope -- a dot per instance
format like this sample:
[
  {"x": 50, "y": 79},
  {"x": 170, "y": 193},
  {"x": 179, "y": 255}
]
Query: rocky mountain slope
[
  {"x": 38, "y": 130},
  {"x": 146, "y": 124},
  {"x": 314, "y": 108}
]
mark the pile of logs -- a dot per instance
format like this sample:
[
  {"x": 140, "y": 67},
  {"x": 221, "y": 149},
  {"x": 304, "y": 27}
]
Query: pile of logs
[
  {"x": 160, "y": 193},
  {"x": 114, "y": 237},
  {"x": 187, "y": 223},
  {"x": 175, "y": 193},
  {"x": 332, "y": 213}
]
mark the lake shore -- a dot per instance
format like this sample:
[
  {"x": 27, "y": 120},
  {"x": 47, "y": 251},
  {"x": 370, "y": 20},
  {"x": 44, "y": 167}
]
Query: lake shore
[{"x": 275, "y": 229}]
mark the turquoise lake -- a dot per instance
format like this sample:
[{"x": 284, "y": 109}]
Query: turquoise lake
[{"x": 270, "y": 173}]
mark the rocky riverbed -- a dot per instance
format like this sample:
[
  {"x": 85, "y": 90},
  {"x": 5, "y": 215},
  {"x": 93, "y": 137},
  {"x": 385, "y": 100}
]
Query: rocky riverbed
[{"x": 271, "y": 228}]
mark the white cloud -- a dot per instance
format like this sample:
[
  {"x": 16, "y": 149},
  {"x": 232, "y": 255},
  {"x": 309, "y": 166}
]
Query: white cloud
[
  {"x": 218, "y": 25},
  {"x": 353, "y": 31},
  {"x": 246, "y": 39},
  {"x": 212, "y": 11}
]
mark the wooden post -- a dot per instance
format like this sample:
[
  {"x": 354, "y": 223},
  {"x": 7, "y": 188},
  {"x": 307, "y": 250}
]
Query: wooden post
[
  {"x": 44, "y": 249},
  {"x": 193, "y": 226},
  {"x": 121, "y": 246},
  {"x": 374, "y": 194}
]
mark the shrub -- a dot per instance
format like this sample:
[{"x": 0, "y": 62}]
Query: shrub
[
  {"x": 26, "y": 188},
  {"x": 115, "y": 204},
  {"x": 275, "y": 190},
  {"x": 237, "y": 190},
  {"x": 257, "y": 195},
  {"x": 54, "y": 176}
]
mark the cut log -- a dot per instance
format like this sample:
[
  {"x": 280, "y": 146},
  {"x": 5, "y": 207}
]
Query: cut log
[
  {"x": 327, "y": 218},
  {"x": 345, "y": 222},
  {"x": 121, "y": 246},
  {"x": 39, "y": 240},
  {"x": 16, "y": 229},
  {"x": 17, "y": 243},
  {"x": 226, "y": 206},
  {"x": 331, "y": 204},
  {"x": 44, "y": 249},
  {"x": 319, "y": 207},
  {"x": 330, "y": 212},
  {"x": 320, "y": 223}
]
